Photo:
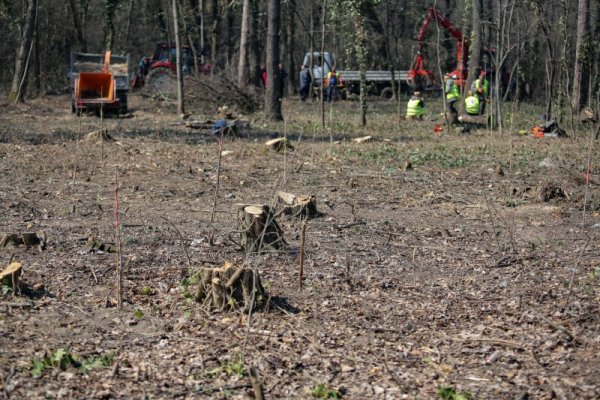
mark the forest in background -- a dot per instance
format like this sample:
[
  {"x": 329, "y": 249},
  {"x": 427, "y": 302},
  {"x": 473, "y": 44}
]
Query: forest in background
[{"x": 538, "y": 41}]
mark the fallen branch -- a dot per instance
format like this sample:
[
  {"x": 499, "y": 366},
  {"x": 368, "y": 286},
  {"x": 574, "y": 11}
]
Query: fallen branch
[
  {"x": 554, "y": 325},
  {"x": 499, "y": 342}
]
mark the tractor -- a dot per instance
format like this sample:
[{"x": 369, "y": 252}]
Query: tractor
[{"x": 161, "y": 67}]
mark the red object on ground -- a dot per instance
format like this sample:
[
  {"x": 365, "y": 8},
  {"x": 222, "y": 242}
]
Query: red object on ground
[
  {"x": 537, "y": 132},
  {"x": 438, "y": 129}
]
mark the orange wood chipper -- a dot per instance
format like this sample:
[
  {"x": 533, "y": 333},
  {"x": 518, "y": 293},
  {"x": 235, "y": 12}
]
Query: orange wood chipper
[{"x": 99, "y": 82}]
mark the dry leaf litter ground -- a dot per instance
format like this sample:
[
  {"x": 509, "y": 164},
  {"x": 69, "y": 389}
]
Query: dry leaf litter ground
[{"x": 447, "y": 274}]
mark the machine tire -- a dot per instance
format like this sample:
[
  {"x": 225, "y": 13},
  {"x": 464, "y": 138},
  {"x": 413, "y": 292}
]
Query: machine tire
[
  {"x": 123, "y": 103},
  {"x": 73, "y": 108},
  {"x": 387, "y": 93},
  {"x": 161, "y": 79}
]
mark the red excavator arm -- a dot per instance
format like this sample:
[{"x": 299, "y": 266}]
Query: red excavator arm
[{"x": 421, "y": 76}]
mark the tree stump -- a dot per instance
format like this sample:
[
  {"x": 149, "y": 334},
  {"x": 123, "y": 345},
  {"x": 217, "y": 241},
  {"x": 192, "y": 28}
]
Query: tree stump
[
  {"x": 229, "y": 288},
  {"x": 11, "y": 275},
  {"x": 298, "y": 205},
  {"x": 258, "y": 229},
  {"x": 279, "y": 144}
]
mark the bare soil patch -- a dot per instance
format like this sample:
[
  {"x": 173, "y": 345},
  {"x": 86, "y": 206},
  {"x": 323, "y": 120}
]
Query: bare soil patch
[{"x": 446, "y": 274}]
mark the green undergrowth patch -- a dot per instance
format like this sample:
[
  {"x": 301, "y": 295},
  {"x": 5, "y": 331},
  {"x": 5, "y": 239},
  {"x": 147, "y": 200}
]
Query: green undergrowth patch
[{"x": 62, "y": 359}]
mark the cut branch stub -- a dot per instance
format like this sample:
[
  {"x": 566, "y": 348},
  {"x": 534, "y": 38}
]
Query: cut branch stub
[
  {"x": 298, "y": 205},
  {"x": 229, "y": 288},
  {"x": 258, "y": 229}
]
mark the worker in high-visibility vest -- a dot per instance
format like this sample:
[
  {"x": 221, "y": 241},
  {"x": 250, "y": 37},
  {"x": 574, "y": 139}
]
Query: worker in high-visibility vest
[
  {"x": 472, "y": 104},
  {"x": 415, "y": 109},
  {"x": 481, "y": 88},
  {"x": 452, "y": 94}
]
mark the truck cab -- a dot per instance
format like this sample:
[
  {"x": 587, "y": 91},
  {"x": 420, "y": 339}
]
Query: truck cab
[{"x": 318, "y": 68}]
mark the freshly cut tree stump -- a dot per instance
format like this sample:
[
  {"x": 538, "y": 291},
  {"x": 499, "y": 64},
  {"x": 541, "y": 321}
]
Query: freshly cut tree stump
[
  {"x": 27, "y": 239},
  {"x": 10, "y": 276},
  {"x": 279, "y": 144},
  {"x": 229, "y": 288},
  {"x": 100, "y": 135},
  {"x": 258, "y": 229},
  {"x": 298, "y": 205}
]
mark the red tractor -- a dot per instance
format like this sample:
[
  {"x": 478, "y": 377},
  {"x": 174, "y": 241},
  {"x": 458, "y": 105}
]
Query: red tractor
[
  {"x": 162, "y": 65},
  {"x": 420, "y": 78}
]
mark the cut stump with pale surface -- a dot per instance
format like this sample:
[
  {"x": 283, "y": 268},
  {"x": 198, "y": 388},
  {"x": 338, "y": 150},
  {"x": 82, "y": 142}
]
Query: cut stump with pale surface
[
  {"x": 229, "y": 288},
  {"x": 258, "y": 230},
  {"x": 298, "y": 205}
]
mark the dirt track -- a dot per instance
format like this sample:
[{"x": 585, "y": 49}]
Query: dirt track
[{"x": 450, "y": 274}]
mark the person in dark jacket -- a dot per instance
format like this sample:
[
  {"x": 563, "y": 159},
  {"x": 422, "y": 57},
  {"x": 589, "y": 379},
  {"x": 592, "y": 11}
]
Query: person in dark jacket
[{"x": 305, "y": 81}]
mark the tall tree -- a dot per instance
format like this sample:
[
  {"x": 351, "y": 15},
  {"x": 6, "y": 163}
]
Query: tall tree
[
  {"x": 475, "y": 49},
  {"x": 109, "y": 25},
  {"x": 290, "y": 46},
  {"x": 580, "y": 74},
  {"x": 273, "y": 90},
  {"x": 23, "y": 53},
  {"x": 77, "y": 24},
  {"x": 254, "y": 54},
  {"x": 180, "y": 105},
  {"x": 243, "y": 67}
]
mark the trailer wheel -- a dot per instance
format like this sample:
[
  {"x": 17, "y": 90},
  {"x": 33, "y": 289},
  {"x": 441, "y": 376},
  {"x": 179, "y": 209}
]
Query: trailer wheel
[
  {"x": 387, "y": 93},
  {"x": 123, "y": 103}
]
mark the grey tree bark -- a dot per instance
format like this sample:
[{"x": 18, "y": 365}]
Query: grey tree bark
[
  {"x": 290, "y": 63},
  {"x": 243, "y": 68},
  {"x": 580, "y": 74},
  {"x": 21, "y": 63},
  {"x": 273, "y": 90},
  {"x": 180, "y": 104},
  {"x": 475, "y": 50},
  {"x": 78, "y": 28},
  {"x": 109, "y": 26}
]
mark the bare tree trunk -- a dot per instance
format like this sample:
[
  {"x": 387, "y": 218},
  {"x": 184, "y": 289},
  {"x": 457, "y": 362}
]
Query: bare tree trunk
[
  {"x": 475, "y": 57},
  {"x": 109, "y": 26},
  {"x": 22, "y": 64},
  {"x": 77, "y": 24},
  {"x": 254, "y": 54},
  {"x": 243, "y": 70},
  {"x": 580, "y": 74},
  {"x": 273, "y": 92},
  {"x": 180, "y": 105},
  {"x": 214, "y": 33},
  {"x": 230, "y": 36},
  {"x": 361, "y": 49},
  {"x": 129, "y": 20},
  {"x": 322, "y": 105},
  {"x": 291, "y": 48}
]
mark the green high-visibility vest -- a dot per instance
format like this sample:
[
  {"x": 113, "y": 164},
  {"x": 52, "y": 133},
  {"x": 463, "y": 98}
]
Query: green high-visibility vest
[
  {"x": 472, "y": 105},
  {"x": 454, "y": 93},
  {"x": 414, "y": 108},
  {"x": 486, "y": 86}
]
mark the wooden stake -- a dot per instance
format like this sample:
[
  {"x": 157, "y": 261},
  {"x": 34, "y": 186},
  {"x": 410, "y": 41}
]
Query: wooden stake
[
  {"x": 256, "y": 384},
  {"x": 118, "y": 241},
  {"x": 214, "y": 205},
  {"x": 302, "y": 254}
]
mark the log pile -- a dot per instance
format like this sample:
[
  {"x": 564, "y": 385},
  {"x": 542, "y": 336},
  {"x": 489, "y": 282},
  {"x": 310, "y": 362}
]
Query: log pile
[
  {"x": 229, "y": 288},
  {"x": 257, "y": 228}
]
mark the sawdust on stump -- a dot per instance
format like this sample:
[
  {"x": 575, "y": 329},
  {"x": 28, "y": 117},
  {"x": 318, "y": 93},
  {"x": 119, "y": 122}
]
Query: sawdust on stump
[{"x": 229, "y": 288}]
